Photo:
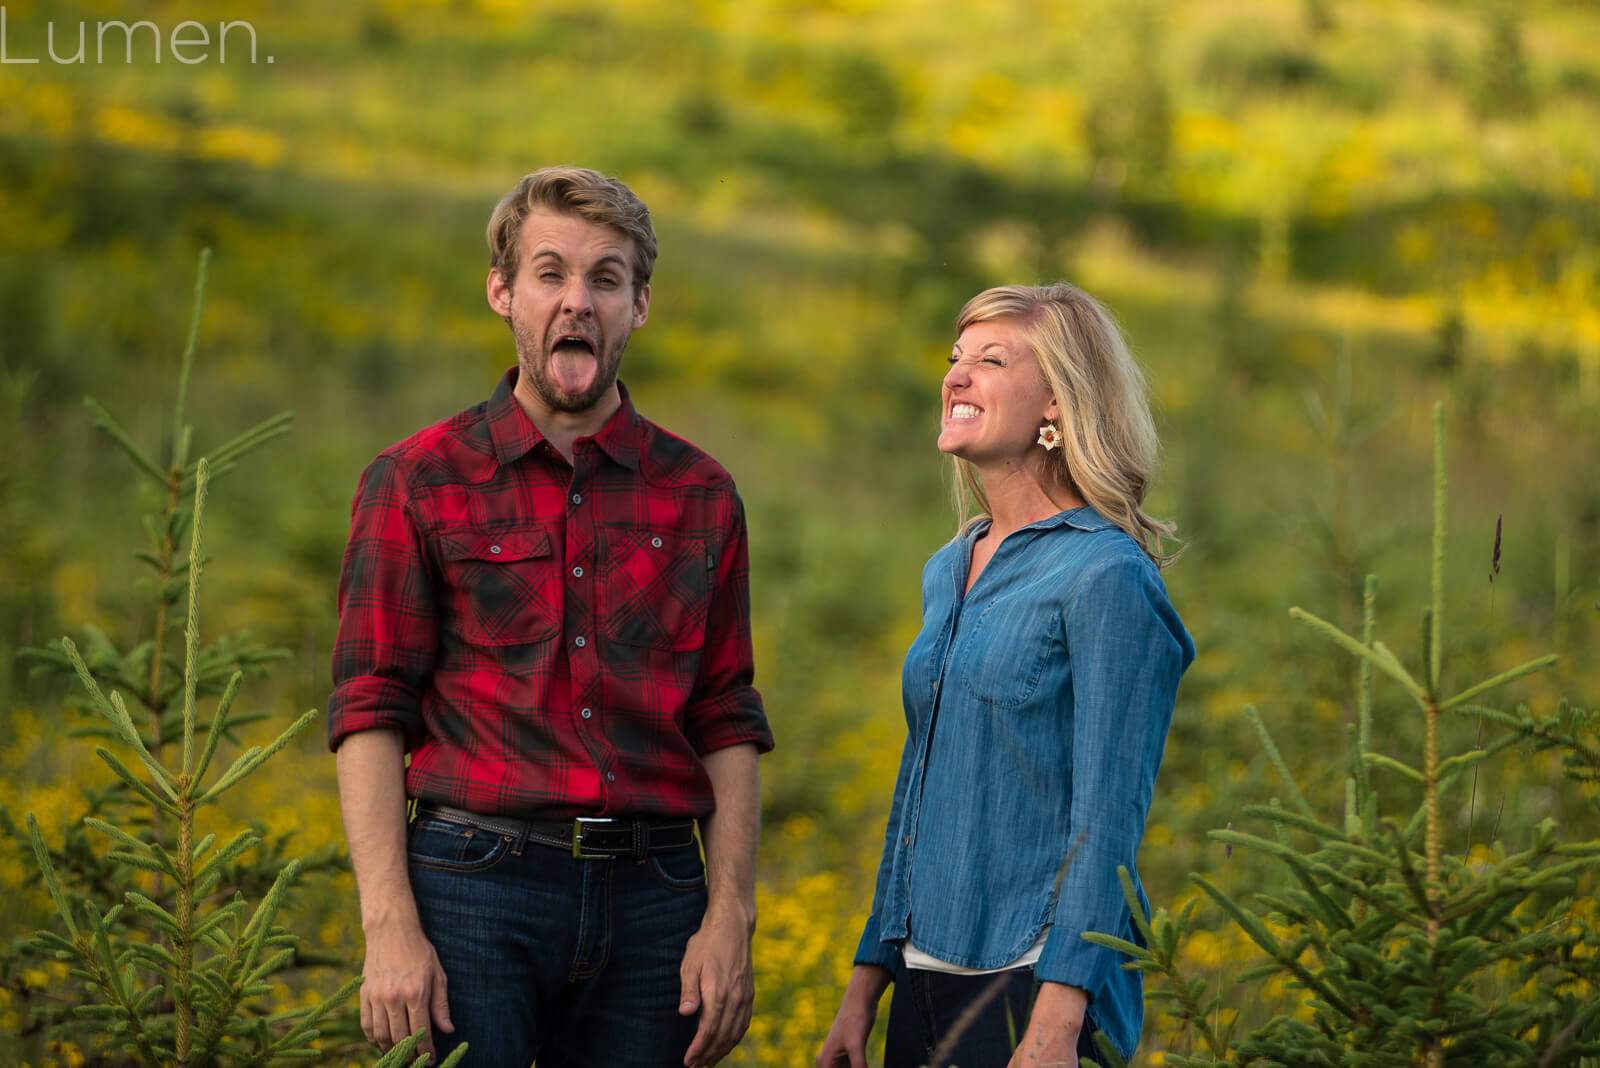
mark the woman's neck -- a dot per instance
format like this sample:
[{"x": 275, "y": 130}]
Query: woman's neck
[{"x": 1021, "y": 495}]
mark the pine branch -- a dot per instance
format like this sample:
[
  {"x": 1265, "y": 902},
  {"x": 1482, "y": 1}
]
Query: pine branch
[
  {"x": 180, "y": 432},
  {"x": 1276, "y": 758},
  {"x": 1378, "y": 655},
  {"x": 1532, "y": 666},
  {"x": 1258, "y": 933},
  {"x": 113, "y": 430},
  {"x": 1440, "y": 483}
]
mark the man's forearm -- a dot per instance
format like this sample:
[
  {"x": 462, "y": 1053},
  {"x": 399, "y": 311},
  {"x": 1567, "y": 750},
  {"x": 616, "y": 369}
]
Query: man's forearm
[
  {"x": 731, "y": 832},
  {"x": 371, "y": 768}
]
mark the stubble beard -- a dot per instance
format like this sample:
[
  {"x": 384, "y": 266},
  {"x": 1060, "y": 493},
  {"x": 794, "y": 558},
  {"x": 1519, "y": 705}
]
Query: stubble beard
[{"x": 533, "y": 365}]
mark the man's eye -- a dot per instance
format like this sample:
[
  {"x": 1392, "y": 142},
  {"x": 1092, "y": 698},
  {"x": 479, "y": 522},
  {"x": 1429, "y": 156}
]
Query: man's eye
[{"x": 606, "y": 280}]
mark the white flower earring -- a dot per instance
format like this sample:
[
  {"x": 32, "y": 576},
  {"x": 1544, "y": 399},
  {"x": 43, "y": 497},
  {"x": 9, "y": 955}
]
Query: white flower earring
[{"x": 1049, "y": 437}]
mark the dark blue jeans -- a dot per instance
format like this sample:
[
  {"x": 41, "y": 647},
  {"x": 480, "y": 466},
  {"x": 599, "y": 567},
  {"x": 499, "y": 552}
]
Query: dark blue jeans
[
  {"x": 926, "y": 1005},
  {"x": 570, "y": 962}
]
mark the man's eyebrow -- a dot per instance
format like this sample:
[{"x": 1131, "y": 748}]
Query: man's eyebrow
[{"x": 610, "y": 259}]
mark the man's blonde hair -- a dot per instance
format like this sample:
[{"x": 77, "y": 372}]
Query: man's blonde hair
[
  {"x": 576, "y": 191},
  {"x": 1109, "y": 447}
]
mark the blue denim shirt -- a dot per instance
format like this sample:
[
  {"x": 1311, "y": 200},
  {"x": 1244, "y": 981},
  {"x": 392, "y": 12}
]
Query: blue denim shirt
[{"x": 1037, "y": 708}]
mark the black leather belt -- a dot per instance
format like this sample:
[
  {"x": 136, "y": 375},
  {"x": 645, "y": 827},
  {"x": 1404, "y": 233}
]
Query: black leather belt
[{"x": 587, "y": 838}]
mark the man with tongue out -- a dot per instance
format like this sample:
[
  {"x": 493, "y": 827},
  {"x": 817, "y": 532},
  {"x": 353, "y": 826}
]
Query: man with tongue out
[{"x": 543, "y": 704}]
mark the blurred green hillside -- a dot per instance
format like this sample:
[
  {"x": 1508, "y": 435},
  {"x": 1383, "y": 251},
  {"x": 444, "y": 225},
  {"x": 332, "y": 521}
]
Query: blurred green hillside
[{"x": 1315, "y": 218}]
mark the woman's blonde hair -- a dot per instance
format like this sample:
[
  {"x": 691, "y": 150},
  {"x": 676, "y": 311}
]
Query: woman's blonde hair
[{"x": 1108, "y": 447}]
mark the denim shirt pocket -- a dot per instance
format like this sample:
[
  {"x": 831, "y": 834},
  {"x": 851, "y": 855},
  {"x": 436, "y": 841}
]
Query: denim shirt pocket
[
  {"x": 503, "y": 588},
  {"x": 1004, "y": 654}
]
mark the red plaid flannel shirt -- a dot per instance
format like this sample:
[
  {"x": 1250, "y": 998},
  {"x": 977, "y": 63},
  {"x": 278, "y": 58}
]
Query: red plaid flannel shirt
[{"x": 552, "y": 640}]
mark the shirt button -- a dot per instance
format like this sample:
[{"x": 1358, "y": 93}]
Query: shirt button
[
  {"x": 577, "y": 572},
  {"x": 611, "y": 776},
  {"x": 577, "y": 498},
  {"x": 655, "y": 543},
  {"x": 586, "y": 713},
  {"x": 579, "y": 642},
  {"x": 495, "y": 549}
]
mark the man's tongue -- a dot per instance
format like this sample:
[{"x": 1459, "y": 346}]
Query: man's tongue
[{"x": 573, "y": 366}]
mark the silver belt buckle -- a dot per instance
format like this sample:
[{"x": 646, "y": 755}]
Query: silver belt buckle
[{"x": 577, "y": 839}]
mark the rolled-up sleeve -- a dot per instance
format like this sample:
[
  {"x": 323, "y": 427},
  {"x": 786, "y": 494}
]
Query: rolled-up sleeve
[
  {"x": 724, "y": 707},
  {"x": 388, "y": 628},
  {"x": 1127, "y": 650}
]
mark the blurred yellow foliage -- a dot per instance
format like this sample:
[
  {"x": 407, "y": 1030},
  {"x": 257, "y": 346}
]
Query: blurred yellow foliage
[
  {"x": 137, "y": 129},
  {"x": 256, "y": 147}
]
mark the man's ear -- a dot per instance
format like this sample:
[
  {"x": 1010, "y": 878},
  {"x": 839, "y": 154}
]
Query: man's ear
[
  {"x": 641, "y": 306},
  {"x": 498, "y": 290}
]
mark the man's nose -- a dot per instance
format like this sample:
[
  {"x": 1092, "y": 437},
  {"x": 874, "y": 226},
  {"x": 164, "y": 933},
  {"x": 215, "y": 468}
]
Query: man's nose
[{"x": 576, "y": 299}]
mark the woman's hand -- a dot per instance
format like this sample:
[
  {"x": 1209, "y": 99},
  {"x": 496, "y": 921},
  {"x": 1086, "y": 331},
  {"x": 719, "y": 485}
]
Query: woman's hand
[
  {"x": 1051, "y": 1040},
  {"x": 846, "y": 1044}
]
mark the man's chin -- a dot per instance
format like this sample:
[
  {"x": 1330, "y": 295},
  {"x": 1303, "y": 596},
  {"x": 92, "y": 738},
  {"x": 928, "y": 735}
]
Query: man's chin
[
  {"x": 559, "y": 400},
  {"x": 572, "y": 405},
  {"x": 539, "y": 385}
]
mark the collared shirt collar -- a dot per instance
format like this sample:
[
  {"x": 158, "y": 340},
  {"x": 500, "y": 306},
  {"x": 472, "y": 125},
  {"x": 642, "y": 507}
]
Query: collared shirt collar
[
  {"x": 514, "y": 435},
  {"x": 1083, "y": 517}
]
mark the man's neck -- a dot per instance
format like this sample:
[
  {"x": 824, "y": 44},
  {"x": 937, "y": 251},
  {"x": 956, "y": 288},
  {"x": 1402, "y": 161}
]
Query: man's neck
[{"x": 563, "y": 429}]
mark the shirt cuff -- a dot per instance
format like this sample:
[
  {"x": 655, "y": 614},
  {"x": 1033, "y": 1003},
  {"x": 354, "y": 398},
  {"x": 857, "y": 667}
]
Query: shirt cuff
[
  {"x": 873, "y": 950},
  {"x": 1068, "y": 958},
  {"x": 370, "y": 702},
  {"x": 735, "y": 718}
]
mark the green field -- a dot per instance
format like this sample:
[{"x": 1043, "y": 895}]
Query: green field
[{"x": 1314, "y": 218}]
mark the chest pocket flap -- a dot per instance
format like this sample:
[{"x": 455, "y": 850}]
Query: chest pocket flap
[{"x": 503, "y": 586}]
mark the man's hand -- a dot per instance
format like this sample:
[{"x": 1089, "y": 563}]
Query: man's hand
[
  {"x": 404, "y": 985},
  {"x": 718, "y": 980},
  {"x": 719, "y": 983},
  {"x": 846, "y": 1044},
  {"x": 404, "y": 989},
  {"x": 1051, "y": 1040}
]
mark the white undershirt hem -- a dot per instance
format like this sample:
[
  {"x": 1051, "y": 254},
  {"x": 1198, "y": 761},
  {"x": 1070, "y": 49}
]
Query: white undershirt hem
[{"x": 916, "y": 958}]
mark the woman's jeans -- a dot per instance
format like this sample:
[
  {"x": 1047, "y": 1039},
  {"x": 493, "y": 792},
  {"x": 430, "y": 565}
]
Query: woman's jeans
[
  {"x": 926, "y": 1005},
  {"x": 574, "y": 962}
]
